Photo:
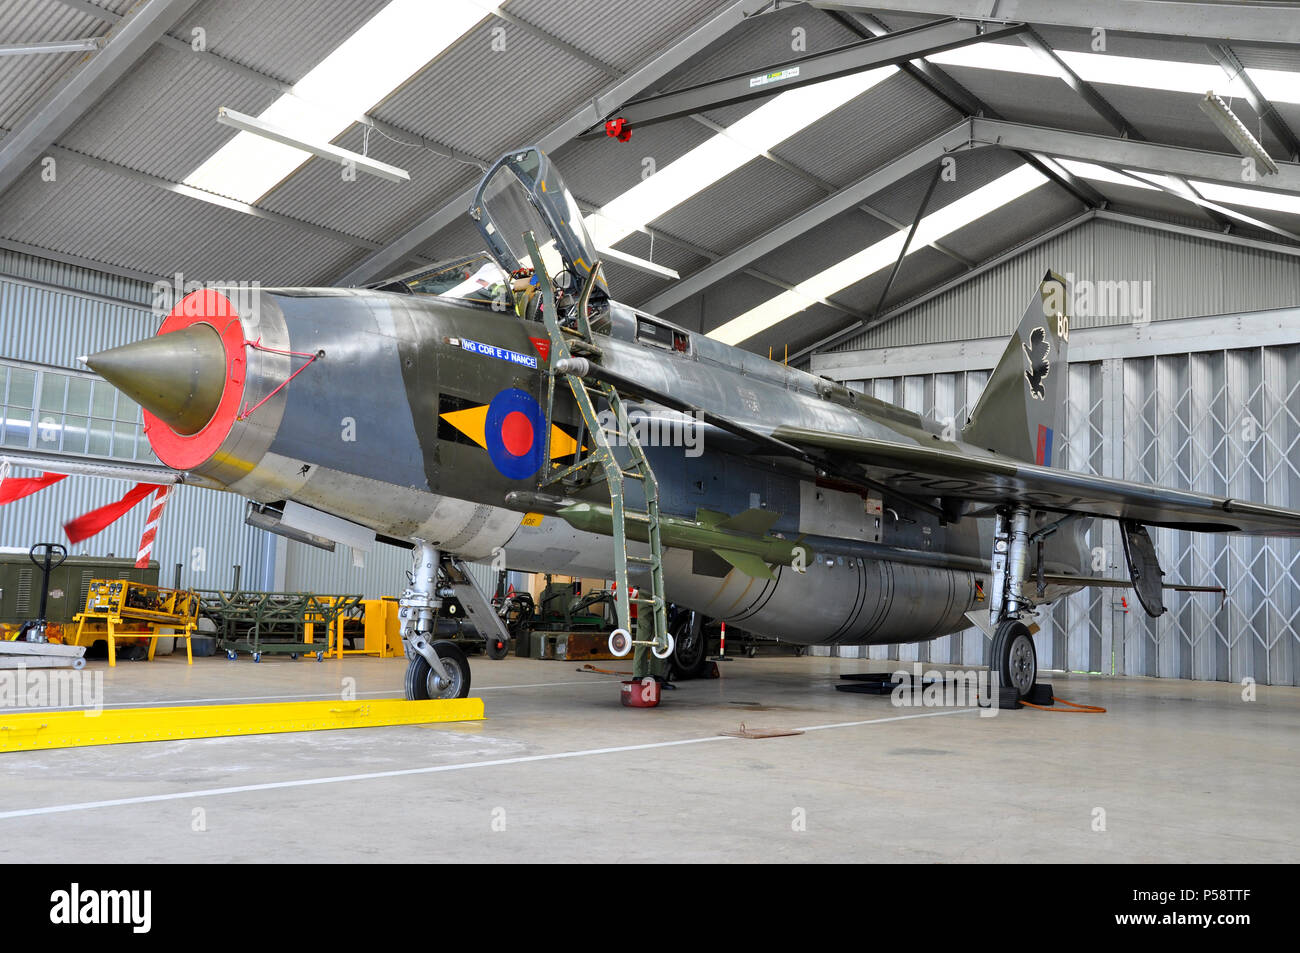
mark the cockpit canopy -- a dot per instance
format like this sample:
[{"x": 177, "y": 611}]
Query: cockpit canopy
[
  {"x": 522, "y": 192},
  {"x": 475, "y": 277}
]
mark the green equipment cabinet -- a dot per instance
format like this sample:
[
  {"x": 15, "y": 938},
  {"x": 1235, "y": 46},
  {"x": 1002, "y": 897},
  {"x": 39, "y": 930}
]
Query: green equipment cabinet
[{"x": 20, "y": 585}]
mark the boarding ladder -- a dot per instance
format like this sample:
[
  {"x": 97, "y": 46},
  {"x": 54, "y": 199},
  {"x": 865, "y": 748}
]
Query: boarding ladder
[{"x": 589, "y": 467}]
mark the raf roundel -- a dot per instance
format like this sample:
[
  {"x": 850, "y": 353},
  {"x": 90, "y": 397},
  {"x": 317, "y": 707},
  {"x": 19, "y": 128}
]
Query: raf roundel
[{"x": 515, "y": 433}]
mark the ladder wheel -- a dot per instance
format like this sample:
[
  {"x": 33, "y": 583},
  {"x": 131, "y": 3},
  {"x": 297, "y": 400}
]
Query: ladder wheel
[
  {"x": 667, "y": 650},
  {"x": 620, "y": 643},
  {"x": 497, "y": 647}
]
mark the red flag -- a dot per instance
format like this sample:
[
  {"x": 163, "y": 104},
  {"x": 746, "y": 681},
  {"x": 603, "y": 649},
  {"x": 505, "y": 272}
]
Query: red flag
[
  {"x": 15, "y": 488},
  {"x": 87, "y": 525}
]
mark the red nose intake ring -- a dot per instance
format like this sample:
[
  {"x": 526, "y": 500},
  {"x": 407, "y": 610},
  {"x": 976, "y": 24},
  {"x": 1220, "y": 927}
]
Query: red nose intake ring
[{"x": 189, "y": 378}]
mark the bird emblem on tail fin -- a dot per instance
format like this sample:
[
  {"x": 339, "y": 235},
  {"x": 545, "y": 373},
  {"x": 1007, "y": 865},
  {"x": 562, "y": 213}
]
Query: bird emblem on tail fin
[{"x": 1036, "y": 352}]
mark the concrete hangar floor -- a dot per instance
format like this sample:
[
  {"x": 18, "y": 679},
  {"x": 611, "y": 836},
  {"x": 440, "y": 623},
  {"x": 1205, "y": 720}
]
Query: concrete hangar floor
[{"x": 559, "y": 771}]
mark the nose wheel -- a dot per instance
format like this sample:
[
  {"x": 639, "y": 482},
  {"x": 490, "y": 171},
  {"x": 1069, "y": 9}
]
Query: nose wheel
[
  {"x": 422, "y": 682},
  {"x": 1014, "y": 659}
]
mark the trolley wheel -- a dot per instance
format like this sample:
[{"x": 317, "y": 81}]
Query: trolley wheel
[
  {"x": 320, "y": 656},
  {"x": 232, "y": 654},
  {"x": 294, "y": 656},
  {"x": 420, "y": 676},
  {"x": 79, "y": 664},
  {"x": 751, "y": 651},
  {"x": 257, "y": 656},
  {"x": 497, "y": 648}
]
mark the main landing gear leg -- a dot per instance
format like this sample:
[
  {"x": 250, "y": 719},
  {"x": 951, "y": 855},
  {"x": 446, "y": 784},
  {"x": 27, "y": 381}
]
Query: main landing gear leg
[
  {"x": 436, "y": 669},
  {"x": 1013, "y": 658}
]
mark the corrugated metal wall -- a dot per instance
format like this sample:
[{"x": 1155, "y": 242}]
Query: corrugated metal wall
[
  {"x": 1188, "y": 277},
  {"x": 1225, "y": 422}
]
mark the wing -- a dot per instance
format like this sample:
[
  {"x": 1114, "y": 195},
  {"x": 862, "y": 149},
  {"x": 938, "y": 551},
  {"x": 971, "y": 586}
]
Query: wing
[{"x": 940, "y": 471}]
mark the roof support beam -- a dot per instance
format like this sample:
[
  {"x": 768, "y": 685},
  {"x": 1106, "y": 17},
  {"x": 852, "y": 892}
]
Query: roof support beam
[
  {"x": 961, "y": 99},
  {"x": 990, "y": 263},
  {"x": 1200, "y": 19},
  {"x": 884, "y": 50},
  {"x": 1126, "y": 153},
  {"x": 955, "y": 139},
  {"x": 127, "y": 43},
  {"x": 620, "y": 92},
  {"x": 1098, "y": 104},
  {"x": 1098, "y": 214}
]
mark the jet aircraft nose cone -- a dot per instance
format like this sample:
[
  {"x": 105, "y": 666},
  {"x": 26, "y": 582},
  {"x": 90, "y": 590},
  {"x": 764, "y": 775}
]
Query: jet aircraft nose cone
[{"x": 178, "y": 377}]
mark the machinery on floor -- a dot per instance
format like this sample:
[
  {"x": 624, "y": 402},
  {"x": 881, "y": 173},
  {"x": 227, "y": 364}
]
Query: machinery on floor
[
  {"x": 523, "y": 414},
  {"x": 123, "y": 609}
]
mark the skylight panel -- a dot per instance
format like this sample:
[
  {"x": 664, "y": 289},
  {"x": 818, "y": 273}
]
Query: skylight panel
[
  {"x": 383, "y": 53},
  {"x": 1279, "y": 86},
  {"x": 881, "y": 254},
  {"x": 1254, "y": 198}
]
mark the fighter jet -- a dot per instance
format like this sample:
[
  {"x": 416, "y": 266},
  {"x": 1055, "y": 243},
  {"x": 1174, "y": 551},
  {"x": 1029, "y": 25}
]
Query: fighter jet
[{"x": 505, "y": 405}]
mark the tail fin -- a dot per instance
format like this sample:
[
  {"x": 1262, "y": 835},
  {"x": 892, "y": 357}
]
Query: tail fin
[{"x": 1022, "y": 409}]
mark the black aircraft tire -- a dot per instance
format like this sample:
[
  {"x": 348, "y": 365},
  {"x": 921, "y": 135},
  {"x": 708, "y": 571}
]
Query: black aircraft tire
[
  {"x": 690, "y": 655},
  {"x": 1013, "y": 659},
  {"x": 418, "y": 672}
]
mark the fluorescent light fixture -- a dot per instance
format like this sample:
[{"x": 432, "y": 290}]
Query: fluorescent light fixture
[
  {"x": 640, "y": 264},
  {"x": 1279, "y": 86},
  {"x": 881, "y": 255},
  {"x": 386, "y": 51},
  {"x": 1222, "y": 116},
  {"x": 767, "y": 126},
  {"x": 267, "y": 130},
  {"x": 51, "y": 46}
]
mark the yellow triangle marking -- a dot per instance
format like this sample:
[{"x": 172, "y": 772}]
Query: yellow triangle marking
[
  {"x": 472, "y": 422},
  {"x": 562, "y": 445}
]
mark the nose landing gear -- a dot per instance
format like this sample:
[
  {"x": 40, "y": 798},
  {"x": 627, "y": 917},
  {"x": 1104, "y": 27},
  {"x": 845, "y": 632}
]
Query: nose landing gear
[{"x": 435, "y": 669}]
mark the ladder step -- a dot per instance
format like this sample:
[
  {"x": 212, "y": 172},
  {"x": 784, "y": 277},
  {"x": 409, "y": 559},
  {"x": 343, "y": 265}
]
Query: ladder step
[
  {"x": 648, "y": 560},
  {"x": 633, "y": 475}
]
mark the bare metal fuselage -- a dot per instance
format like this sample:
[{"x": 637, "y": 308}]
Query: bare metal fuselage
[{"x": 380, "y": 430}]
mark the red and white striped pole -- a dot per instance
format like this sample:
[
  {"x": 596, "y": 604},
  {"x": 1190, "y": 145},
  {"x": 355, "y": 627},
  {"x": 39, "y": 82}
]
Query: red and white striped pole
[{"x": 151, "y": 527}]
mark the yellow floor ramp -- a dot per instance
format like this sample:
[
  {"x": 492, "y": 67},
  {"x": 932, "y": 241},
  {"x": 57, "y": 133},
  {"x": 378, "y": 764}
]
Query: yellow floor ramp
[{"x": 38, "y": 730}]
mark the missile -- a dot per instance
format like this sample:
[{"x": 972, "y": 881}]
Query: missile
[{"x": 743, "y": 540}]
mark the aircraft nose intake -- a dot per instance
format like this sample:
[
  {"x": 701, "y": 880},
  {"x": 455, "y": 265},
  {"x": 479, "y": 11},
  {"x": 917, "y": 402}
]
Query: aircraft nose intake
[{"x": 178, "y": 376}]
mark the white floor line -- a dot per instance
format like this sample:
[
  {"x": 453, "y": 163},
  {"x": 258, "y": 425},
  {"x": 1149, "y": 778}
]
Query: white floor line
[
  {"x": 162, "y": 703},
  {"x": 435, "y": 769}
]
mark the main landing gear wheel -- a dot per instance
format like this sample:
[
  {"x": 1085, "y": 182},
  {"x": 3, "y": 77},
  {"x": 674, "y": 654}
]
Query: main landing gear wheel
[
  {"x": 423, "y": 683},
  {"x": 497, "y": 647},
  {"x": 1014, "y": 660},
  {"x": 691, "y": 654}
]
